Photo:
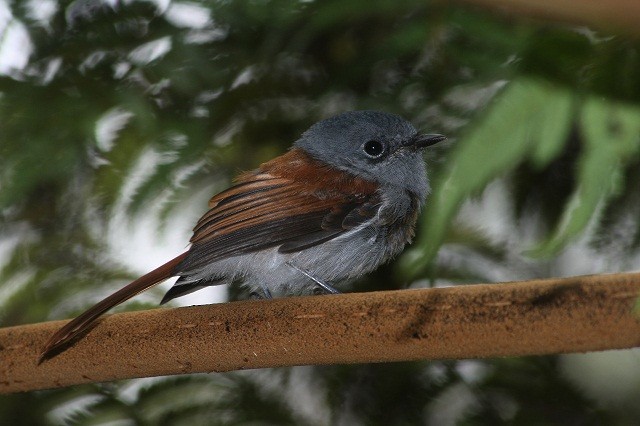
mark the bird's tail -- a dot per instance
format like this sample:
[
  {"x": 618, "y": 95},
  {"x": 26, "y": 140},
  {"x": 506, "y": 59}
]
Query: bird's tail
[{"x": 83, "y": 321}]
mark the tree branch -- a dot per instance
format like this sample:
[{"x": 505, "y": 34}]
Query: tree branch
[
  {"x": 526, "y": 318},
  {"x": 611, "y": 15}
]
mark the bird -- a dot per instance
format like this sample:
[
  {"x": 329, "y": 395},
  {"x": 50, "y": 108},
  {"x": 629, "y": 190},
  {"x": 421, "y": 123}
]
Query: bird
[{"x": 343, "y": 200}]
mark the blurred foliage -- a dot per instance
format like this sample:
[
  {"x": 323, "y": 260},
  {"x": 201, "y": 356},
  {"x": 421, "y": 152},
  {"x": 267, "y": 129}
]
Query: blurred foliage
[{"x": 133, "y": 108}]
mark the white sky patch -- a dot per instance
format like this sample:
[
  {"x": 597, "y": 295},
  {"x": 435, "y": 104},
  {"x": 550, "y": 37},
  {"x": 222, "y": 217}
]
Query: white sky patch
[
  {"x": 151, "y": 51},
  {"x": 130, "y": 390},
  {"x": 472, "y": 371},
  {"x": 225, "y": 135},
  {"x": 142, "y": 171},
  {"x": 303, "y": 398},
  {"x": 15, "y": 44},
  {"x": 492, "y": 213},
  {"x": 207, "y": 35},
  {"x": 188, "y": 15},
  {"x": 178, "y": 140},
  {"x": 11, "y": 241},
  {"x": 144, "y": 242},
  {"x": 21, "y": 233},
  {"x": 53, "y": 66},
  {"x": 121, "y": 69},
  {"x": 245, "y": 76},
  {"x": 14, "y": 284},
  {"x": 612, "y": 378},
  {"x": 63, "y": 412},
  {"x": 93, "y": 59},
  {"x": 186, "y": 172},
  {"x": 42, "y": 11},
  {"x": 5, "y": 15},
  {"x": 451, "y": 406},
  {"x": 109, "y": 126}
]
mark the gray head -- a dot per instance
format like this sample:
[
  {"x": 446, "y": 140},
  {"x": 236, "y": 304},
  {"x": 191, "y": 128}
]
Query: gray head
[{"x": 374, "y": 145}]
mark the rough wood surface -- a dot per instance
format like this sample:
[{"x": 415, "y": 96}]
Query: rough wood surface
[{"x": 525, "y": 318}]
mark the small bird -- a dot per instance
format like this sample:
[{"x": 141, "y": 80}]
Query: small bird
[{"x": 341, "y": 202}]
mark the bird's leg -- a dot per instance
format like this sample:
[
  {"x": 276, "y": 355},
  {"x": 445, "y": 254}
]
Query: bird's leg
[{"x": 327, "y": 287}]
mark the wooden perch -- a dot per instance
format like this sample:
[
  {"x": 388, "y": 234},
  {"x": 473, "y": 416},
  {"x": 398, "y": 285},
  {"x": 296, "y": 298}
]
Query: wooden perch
[
  {"x": 526, "y": 318},
  {"x": 611, "y": 15}
]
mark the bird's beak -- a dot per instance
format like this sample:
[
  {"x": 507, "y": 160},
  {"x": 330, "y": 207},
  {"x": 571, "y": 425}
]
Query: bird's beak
[{"x": 421, "y": 140}]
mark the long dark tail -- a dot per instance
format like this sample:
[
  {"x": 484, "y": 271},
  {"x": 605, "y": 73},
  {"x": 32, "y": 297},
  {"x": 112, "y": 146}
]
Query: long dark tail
[{"x": 83, "y": 321}]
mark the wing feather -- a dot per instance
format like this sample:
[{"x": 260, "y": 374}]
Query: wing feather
[{"x": 264, "y": 211}]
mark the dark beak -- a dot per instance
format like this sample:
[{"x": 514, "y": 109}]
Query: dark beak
[{"x": 422, "y": 141}]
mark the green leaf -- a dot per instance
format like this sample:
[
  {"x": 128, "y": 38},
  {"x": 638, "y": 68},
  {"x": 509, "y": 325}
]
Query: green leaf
[
  {"x": 530, "y": 119},
  {"x": 611, "y": 133}
]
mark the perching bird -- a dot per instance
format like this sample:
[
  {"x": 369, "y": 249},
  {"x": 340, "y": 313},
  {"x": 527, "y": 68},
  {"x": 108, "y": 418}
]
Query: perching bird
[{"x": 341, "y": 202}]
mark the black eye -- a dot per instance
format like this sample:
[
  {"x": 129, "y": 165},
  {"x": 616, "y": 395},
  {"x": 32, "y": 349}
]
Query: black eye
[{"x": 373, "y": 149}]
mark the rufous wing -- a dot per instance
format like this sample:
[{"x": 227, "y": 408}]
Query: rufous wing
[{"x": 292, "y": 208}]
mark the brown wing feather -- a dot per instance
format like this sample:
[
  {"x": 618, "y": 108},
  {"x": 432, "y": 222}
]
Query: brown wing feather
[{"x": 296, "y": 207}]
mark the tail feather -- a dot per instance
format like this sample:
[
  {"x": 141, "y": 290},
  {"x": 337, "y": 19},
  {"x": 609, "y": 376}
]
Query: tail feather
[
  {"x": 84, "y": 321},
  {"x": 185, "y": 286}
]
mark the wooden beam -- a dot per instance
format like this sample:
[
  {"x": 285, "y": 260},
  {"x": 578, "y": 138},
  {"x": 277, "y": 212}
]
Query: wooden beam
[
  {"x": 616, "y": 16},
  {"x": 474, "y": 321}
]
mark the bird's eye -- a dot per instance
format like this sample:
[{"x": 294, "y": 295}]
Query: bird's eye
[{"x": 373, "y": 148}]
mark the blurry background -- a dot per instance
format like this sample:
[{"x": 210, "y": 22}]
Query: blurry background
[{"x": 119, "y": 119}]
